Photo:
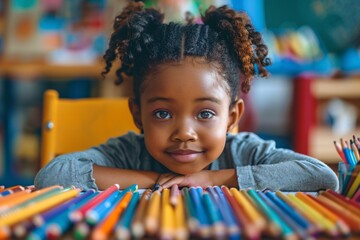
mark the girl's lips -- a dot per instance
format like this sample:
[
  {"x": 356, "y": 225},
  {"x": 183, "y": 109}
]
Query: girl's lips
[{"x": 184, "y": 156}]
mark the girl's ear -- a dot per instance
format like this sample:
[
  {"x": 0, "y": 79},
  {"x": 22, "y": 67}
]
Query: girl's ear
[
  {"x": 235, "y": 114},
  {"x": 135, "y": 112}
]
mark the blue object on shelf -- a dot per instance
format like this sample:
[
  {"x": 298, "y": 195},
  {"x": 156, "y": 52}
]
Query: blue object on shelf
[{"x": 350, "y": 60}]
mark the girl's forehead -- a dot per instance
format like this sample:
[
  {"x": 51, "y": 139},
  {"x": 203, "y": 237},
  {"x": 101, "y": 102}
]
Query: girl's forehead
[
  {"x": 188, "y": 73},
  {"x": 185, "y": 81}
]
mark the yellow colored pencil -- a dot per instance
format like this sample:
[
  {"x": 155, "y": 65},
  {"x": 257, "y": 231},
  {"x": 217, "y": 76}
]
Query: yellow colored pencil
[
  {"x": 105, "y": 228},
  {"x": 167, "y": 216},
  {"x": 250, "y": 210},
  {"x": 152, "y": 218},
  {"x": 327, "y": 225},
  {"x": 39, "y": 207},
  {"x": 315, "y": 226},
  {"x": 354, "y": 187},
  {"x": 181, "y": 231}
]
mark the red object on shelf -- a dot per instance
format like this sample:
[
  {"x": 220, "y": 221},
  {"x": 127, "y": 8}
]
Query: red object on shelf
[{"x": 304, "y": 113}]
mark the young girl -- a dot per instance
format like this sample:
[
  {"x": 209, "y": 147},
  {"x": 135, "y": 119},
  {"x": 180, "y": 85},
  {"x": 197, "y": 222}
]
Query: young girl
[{"x": 186, "y": 83}]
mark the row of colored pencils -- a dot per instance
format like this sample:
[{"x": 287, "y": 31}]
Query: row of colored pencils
[
  {"x": 214, "y": 212},
  {"x": 349, "y": 151}
]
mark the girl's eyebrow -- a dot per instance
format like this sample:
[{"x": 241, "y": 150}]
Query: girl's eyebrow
[
  {"x": 155, "y": 99},
  {"x": 211, "y": 99}
]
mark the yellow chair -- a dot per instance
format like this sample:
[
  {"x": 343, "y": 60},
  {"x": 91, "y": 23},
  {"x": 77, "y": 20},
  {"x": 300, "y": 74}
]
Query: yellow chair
[{"x": 70, "y": 125}]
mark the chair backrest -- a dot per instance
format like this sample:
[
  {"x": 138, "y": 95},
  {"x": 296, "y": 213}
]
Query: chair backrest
[{"x": 70, "y": 125}]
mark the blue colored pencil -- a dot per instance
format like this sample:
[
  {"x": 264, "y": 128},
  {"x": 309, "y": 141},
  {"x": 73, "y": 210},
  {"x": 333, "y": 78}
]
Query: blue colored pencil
[
  {"x": 290, "y": 211},
  {"x": 40, "y": 219},
  {"x": 213, "y": 212},
  {"x": 273, "y": 226},
  {"x": 192, "y": 219},
  {"x": 62, "y": 222},
  {"x": 122, "y": 229},
  {"x": 204, "y": 228},
  {"x": 227, "y": 214},
  {"x": 96, "y": 214},
  {"x": 290, "y": 227}
]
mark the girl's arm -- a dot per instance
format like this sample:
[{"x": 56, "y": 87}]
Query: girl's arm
[{"x": 107, "y": 176}]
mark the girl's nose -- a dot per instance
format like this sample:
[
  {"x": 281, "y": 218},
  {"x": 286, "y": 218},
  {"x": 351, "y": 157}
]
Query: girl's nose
[{"x": 184, "y": 132}]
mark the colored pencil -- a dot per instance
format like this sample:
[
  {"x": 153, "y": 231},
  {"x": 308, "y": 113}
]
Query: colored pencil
[
  {"x": 356, "y": 196},
  {"x": 204, "y": 226},
  {"x": 181, "y": 231},
  {"x": 339, "y": 151},
  {"x": 152, "y": 217},
  {"x": 344, "y": 201},
  {"x": 167, "y": 226},
  {"x": 98, "y": 212},
  {"x": 81, "y": 230},
  {"x": 354, "y": 187},
  {"x": 355, "y": 150},
  {"x": 40, "y": 219},
  {"x": 29, "y": 198},
  {"x": 105, "y": 228},
  {"x": 217, "y": 225},
  {"x": 248, "y": 207},
  {"x": 327, "y": 225},
  {"x": 351, "y": 175},
  {"x": 122, "y": 228},
  {"x": 174, "y": 194},
  {"x": 275, "y": 228},
  {"x": 192, "y": 220},
  {"x": 11, "y": 190},
  {"x": 351, "y": 220},
  {"x": 42, "y": 205},
  {"x": 289, "y": 228},
  {"x": 311, "y": 201},
  {"x": 21, "y": 229},
  {"x": 11, "y": 197},
  {"x": 61, "y": 223},
  {"x": 137, "y": 226},
  {"x": 249, "y": 228},
  {"x": 227, "y": 214},
  {"x": 79, "y": 215},
  {"x": 289, "y": 210}
]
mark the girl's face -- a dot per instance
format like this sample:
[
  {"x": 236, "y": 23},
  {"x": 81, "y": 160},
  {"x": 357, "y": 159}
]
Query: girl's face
[{"x": 185, "y": 116}]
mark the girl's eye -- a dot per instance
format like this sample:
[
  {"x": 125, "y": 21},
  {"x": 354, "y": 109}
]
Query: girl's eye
[
  {"x": 206, "y": 114},
  {"x": 161, "y": 114}
]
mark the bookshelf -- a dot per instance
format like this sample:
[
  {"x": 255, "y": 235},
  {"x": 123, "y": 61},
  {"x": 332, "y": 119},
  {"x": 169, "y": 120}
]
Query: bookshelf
[{"x": 312, "y": 135}]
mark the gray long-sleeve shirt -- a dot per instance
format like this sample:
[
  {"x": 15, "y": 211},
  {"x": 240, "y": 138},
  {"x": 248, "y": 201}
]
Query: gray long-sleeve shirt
[{"x": 258, "y": 163}]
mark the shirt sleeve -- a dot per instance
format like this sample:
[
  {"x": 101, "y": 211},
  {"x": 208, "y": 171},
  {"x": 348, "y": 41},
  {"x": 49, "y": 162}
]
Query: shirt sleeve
[
  {"x": 259, "y": 164},
  {"x": 74, "y": 169}
]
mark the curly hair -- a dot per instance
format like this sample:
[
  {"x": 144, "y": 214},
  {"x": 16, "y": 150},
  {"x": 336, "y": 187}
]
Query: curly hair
[{"x": 226, "y": 39}]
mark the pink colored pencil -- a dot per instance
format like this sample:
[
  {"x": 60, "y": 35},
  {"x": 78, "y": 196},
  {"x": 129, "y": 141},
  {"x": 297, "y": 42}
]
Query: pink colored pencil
[{"x": 79, "y": 214}]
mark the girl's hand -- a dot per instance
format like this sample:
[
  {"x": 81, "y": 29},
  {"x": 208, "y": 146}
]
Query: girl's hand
[{"x": 200, "y": 179}]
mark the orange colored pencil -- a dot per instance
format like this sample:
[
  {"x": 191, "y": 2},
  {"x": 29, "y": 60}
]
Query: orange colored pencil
[
  {"x": 311, "y": 201},
  {"x": 249, "y": 228},
  {"x": 11, "y": 197},
  {"x": 27, "y": 197},
  {"x": 347, "y": 203},
  {"x": 351, "y": 220},
  {"x": 105, "y": 228},
  {"x": 138, "y": 225},
  {"x": 40, "y": 206}
]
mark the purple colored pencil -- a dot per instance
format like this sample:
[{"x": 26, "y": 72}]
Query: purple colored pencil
[{"x": 40, "y": 219}]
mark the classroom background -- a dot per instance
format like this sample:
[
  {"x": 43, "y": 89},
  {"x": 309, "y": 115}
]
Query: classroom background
[{"x": 311, "y": 98}]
